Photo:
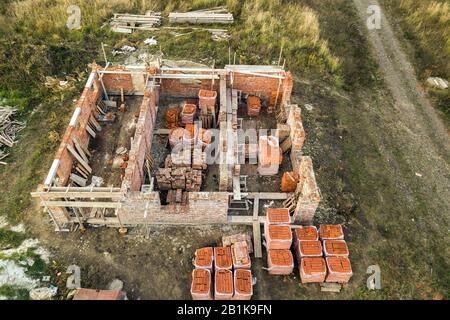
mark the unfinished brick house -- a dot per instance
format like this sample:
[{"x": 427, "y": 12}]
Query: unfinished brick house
[{"x": 130, "y": 119}]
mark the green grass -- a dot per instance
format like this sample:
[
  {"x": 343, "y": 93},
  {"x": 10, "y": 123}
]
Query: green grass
[
  {"x": 426, "y": 25},
  {"x": 14, "y": 293},
  {"x": 10, "y": 239}
]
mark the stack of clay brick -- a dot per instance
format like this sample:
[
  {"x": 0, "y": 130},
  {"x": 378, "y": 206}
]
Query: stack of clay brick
[
  {"x": 207, "y": 101},
  {"x": 204, "y": 138},
  {"x": 177, "y": 197},
  {"x": 230, "y": 267},
  {"x": 269, "y": 155},
  {"x": 335, "y": 267},
  {"x": 172, "y": 118},
  {"x": 289, "y": 181},
  {"x": 253, "y": 106},
  {"x": 199, "y": 159},
  {"x": 278, "y": 235},
  {"x": 188, "y": 113},
  {"x": 176, "y": 136},
  {"x": 184, "y": 178}
]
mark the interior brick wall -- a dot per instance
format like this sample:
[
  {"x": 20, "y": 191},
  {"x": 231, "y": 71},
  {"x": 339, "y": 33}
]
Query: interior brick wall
[{"x": 141, "y": 208}]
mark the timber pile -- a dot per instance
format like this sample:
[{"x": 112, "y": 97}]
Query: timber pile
[
  {"x": 212, "y": 15},
  {"x": 8, "y": 128},
  {"x": 126, "y": 23}
]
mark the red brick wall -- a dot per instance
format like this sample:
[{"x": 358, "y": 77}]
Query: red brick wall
[
  {"x": 202, "y": 208},
  {"x": 87, "y": 104},
  {"x": 134, "y": 174}
]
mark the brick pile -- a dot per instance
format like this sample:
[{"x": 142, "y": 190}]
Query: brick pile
[
  {"x": 268, "y": 155},
  {"x": 289, "y": 181},
  {"x": 184, "y": 178},
  {"x": 222, "y": 258},
  {"x": 204, "y": 258},
  {"x": 177, "y": 197},
  {"x": 335, "y": 266},
  {"x": 201, "y": 284},
  {"x": 313, "y": 270},
  {"x": 253, "y": 106},
  {"x": 232, "y": 277},
  {"x": 240, "y": 255},
  {"x": 207, "y": 101},
  {"x": 243, "y": 289},
  {"x": 280, "y": 262},
  {"x": 172, "y": 118},
  {"x": 278, "y": 236},
  {"x": 188, "y": 113},
  {"x": 176, "y": 136}
]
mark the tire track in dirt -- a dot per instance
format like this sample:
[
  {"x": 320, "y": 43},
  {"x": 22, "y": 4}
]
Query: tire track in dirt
[{"x": 416, "y": 128}]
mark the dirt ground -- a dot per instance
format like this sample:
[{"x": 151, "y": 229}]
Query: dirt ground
[{"x": 114, "y": 135}]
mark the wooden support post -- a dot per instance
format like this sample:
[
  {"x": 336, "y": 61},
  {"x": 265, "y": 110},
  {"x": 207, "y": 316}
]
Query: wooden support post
[
  {"x": 256, "y": 229},
  {"x": 78, "y": 158}
]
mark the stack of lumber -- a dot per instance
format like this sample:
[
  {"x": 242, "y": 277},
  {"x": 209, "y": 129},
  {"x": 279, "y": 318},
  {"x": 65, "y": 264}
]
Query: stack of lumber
[
  {"x": 8, "y": 128},
  {"x": 172, "y": 118},
  {"x": 212, "y": 15},
  {"x": 126, "y": 23},
  {"x": 253, "y": 106}
]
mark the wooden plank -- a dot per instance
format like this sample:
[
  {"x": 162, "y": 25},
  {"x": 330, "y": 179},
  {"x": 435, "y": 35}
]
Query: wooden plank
[
  {"x": 255, "y": 209},
  {"x": 80, "y": 195},
  {"x": 78, "y": 157},
  {"x": 257, "y": 239},
  {"x": 90, "y": 131},
  {"x": 330, "y": 287},
  {"x": 78, "y": 180},
  {"x": 95, "y": 123},
  {"x": 80, "y": 151},
  {"x": 267, "y": 195},
  {"x": 77, "y": 142},
  {"x": 81, "y": 204}
]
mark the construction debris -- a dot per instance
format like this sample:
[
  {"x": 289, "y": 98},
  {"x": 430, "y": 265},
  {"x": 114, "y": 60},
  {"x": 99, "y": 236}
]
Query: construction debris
[
  {"x": 438, "y": 83},
  {"x": 123, "y": 50},
  {"x": 127, "y": 23},
  {"x": 151, "y": 41},
  {"x": 8, "y": 129},
  {"x": 213, "y": 15}
]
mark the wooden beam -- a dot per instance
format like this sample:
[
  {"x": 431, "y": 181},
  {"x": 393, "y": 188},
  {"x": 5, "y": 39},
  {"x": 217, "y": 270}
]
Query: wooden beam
[
  {"x": 267, "y": 195},
  {"x": 79, "y": 158},
  {"x": 81, "y": 204},
  {"x": 257, "y": 239},
  {"x": 79, "y": 195}
]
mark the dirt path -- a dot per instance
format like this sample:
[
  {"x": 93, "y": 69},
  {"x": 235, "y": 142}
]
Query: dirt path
[{"x": 415, "y": 109}]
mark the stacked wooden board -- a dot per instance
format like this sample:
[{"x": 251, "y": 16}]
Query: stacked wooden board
[
  {"x": 126, "y": 23},
  {"x": 213, "y": 15}
]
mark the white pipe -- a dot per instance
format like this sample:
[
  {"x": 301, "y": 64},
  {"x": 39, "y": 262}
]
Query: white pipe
[
  {"x": 76, "y": 114},
  {"x": 52, "y": 172},
  {"x": 90, "y": 80}
]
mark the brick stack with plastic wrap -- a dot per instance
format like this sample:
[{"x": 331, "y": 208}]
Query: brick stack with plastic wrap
[
  {"x": 336, "y": 252},
  {"x": 278, "y": 235}
]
